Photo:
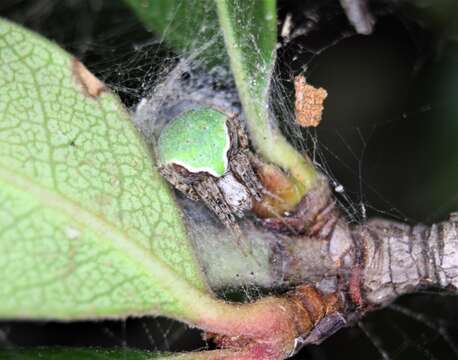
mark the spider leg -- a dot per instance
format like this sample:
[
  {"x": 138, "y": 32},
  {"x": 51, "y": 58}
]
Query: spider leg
[
  {"x": 179, "y": 182},
  {"x": 240, "y": 160},
  {"x": 208, "y": 191},
  {"x": 237, "y": 133},
  {"x": 242, "y": 169}
]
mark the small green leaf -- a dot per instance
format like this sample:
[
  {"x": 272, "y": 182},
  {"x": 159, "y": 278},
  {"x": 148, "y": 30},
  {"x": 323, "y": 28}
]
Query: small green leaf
[{"x": 87, "y": 226}]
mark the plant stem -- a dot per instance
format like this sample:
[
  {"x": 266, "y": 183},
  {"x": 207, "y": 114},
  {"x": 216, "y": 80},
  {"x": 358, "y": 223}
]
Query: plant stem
[{"x": 253, "y": 86}]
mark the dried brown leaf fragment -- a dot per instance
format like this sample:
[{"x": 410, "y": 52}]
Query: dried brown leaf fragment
[
  {"x": 309, "y": 102},
  {"x": 90, "y": 85}
]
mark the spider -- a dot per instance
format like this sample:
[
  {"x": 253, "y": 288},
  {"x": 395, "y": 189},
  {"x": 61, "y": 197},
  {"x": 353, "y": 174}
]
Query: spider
[{"x": 204, "y": 154}]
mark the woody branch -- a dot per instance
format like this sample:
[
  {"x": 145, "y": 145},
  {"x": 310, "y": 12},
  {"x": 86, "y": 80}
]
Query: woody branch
[{"x": 367, "y": 265}]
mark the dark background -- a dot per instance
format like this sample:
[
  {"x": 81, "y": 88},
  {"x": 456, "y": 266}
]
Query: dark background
[{"x": 388, "y": 136}]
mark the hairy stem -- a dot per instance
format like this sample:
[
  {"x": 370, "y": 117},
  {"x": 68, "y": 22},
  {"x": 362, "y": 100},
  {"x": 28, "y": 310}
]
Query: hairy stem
[{"x": 253, "y": 86}]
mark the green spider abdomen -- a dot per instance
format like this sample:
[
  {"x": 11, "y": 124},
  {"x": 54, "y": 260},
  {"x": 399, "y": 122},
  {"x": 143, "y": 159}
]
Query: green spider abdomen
[{"x": 197, "y": 140}]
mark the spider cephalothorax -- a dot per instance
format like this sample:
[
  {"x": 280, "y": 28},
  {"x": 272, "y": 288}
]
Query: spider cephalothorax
[{"x": 204, "y": 154}]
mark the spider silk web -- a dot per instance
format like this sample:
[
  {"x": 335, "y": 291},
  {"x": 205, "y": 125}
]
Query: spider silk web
[{"x": 385, "y": 143}]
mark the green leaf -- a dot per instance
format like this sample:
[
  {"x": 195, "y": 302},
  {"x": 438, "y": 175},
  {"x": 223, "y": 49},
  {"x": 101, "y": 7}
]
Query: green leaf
[
  {"x": 87, "y": 226},
  {"x": 77, "y": 354},
  {"x": 97, "y": 354}
]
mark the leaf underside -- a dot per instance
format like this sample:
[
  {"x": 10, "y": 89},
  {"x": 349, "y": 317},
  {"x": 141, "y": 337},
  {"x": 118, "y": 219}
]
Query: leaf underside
[
  {"x": 87, "y": 227},
  {"x": 94, "y": 354}
]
